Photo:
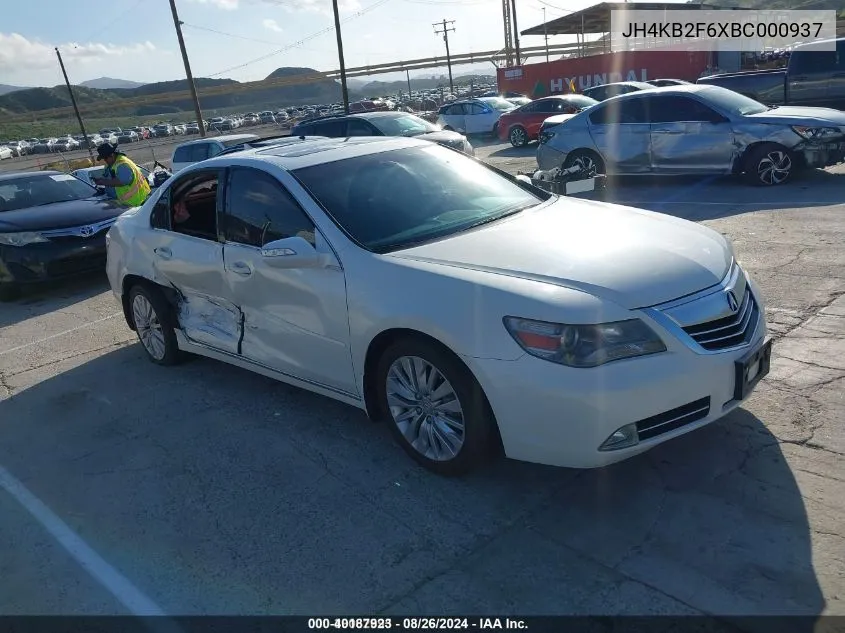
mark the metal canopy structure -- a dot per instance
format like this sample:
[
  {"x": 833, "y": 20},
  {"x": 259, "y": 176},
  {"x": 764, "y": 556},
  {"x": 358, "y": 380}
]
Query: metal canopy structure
[{"x": 596, "y": 19}]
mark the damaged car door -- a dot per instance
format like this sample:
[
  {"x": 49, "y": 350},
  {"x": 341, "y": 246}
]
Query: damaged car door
[
  {"x": 188, "y": 257},
  {"x": 688, "y": 137},
  {"x": 286, "y": 279},
  {"x": 622, "y": 133}
]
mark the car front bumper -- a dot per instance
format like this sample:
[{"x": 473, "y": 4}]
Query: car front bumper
[
  {"x": 823, "y": 154},
  {"x": 560, "y": 416},
  {"x": 52, "y": 260}
]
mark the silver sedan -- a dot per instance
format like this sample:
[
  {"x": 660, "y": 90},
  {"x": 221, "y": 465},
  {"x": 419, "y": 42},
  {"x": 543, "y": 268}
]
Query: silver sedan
[{"x": 694, "y": 130}]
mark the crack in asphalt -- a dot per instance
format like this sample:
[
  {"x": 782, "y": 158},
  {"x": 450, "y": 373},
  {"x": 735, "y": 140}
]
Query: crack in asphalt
[{"x": 71, "y": 356}]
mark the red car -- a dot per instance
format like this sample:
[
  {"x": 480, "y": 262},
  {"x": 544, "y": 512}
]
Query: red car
[{"x": 523, "y": 124}]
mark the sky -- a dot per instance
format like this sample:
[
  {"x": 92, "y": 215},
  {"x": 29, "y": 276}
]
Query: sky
[{"x": 136, "y": 40}]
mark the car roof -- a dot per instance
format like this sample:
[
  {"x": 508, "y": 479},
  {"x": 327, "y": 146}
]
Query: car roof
[
  {"x": 224, "y": 137},
  {"x": 309, "y": 152}
]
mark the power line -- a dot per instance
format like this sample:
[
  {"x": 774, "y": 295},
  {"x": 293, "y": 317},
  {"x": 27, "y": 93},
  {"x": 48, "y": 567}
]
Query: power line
[
  {"x": 298, "y": 43},
  {"x": 113, "y": 20},
  {"x": 239, "y": 37}
]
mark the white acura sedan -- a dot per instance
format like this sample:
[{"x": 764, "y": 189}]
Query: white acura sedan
[{"x": 469, "y": 311}]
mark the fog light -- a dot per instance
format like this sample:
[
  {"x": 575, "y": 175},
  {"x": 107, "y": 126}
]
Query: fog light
[{"x": 621, "y": 438}]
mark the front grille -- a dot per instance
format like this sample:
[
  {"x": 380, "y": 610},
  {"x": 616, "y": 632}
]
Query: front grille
[
  {"x": 85, "y": 232},
  {"x": 673, "y": 419},
  {"x": 729, "y": 331},
  {"x": 76, "y": 265}
]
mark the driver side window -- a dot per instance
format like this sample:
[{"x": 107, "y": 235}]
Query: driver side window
[{"x": 189, "y": 206}]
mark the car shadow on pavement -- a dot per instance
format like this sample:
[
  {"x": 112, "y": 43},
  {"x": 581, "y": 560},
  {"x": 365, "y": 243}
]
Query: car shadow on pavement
[
  {"x": 215, "y": 490},
  {"x": 518, "y": 152},
  {"x": 35, "y": 301},
  {"x": 718, "y": 197}
]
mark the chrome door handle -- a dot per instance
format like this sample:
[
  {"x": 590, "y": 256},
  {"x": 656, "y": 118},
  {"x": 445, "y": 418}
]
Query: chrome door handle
[
  {"x": 163, "y": 252},
  {"x": 241, "y": 268}
]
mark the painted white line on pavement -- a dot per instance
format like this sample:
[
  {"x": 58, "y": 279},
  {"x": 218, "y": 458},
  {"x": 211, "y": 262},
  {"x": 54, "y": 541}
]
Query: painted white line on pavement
[
  {"x": 52, "y": 336},
  {"x": 109, "y": 578}
]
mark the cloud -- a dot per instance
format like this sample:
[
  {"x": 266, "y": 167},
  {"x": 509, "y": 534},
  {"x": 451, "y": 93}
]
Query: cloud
[
  {"x": 19, "y": 54},
  {"x": 271, "y": 25},
  {"x": 226, "y": 5},
  {"x": 323, "y": 7}
]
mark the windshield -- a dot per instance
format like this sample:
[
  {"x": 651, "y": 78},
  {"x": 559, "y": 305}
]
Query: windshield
[
  {"x": 40, "y": 190},
  {"x": 407, "y": 125},
  {"x": 732, "y": 101},
  {"x": 497, "y": 103},
  {"x": 396, "y": 199}
]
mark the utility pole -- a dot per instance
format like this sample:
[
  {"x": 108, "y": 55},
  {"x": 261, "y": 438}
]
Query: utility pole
[
  {"x": 515, "y": 35},
  {"x": 343, "y": 89},
  {"x": 546, "y": 34},
  {"x": 445, "y": 34},
  {"x": 197, "y": 110},
  {"x": 408, "y": 77},
  {"x": 75, "y": 107}
]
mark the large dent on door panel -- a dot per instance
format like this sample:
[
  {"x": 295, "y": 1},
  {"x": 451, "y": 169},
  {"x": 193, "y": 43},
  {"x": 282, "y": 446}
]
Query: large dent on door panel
[{"x": 211, "y": 321}]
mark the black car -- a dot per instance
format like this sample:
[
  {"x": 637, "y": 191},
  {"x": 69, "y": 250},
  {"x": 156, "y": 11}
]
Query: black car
[
  {"x": 381, "y": 124},
  {"x": 52, "y": 225}
]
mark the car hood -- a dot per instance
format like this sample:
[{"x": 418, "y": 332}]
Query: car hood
[
  {"x": 632, "y": 257},
  {"x": 60, "y": 215},
  {"x": 800, "y": 115}
]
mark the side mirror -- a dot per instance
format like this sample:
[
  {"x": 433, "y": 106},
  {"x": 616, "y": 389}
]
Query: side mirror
[
  {"x": 292, "y": 252},
  {"x": 101, "y": 191}
]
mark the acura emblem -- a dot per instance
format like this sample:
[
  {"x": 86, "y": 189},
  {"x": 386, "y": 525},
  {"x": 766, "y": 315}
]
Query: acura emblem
[
  {"x": 88, "y": 231},
  {"x": 732, "y": 302}
]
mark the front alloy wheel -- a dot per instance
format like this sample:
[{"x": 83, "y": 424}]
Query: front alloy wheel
[
  {"x": 774, "y": 168},
  {"x": 425, "y": 408},
  {"x": 434, "y": 406}
]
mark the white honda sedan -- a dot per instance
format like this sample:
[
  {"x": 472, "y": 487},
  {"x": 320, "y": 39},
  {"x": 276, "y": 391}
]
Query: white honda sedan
[{"x": 469, "y": 311}]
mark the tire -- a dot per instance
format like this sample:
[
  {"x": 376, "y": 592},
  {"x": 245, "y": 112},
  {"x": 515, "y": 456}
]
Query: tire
[
  {"x": 152, "y": 317},
  {"x": 587, "y": 159},
  {"x": 462, "y": 399},
  {"x": 495, "y": 132},
  {"x": 768, "y": 165},
  {"x": 518, "y": 136}
]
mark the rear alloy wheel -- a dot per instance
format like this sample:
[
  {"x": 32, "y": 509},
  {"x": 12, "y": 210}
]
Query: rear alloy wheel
[
  {"x": 769, "y": 165},
  {"x": 150, "y": 314},
  {"x": 588, "y": 161},
  {"x": 435, "y": 408},
  {"x": 518, "y": 136}
]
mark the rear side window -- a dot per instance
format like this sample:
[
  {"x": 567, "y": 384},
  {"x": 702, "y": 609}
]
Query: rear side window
[
  {"x": 622, "y": 111},
  {"x": 191, "y": 153},
  {"x": 330, "y": 128},
  {"x": 805, "y": 61}
]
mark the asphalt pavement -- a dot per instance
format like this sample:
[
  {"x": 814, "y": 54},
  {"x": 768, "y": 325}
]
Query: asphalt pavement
[{"x": 205, "y": 489}]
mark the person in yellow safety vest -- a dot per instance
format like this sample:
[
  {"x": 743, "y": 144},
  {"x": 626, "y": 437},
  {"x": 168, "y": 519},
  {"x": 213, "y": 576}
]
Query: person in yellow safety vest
[{"x": 131, "y": 187}]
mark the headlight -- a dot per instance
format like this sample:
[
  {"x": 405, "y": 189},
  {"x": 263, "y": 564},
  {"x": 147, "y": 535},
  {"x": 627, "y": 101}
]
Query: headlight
[
  {"x": 584, "y": 345},
  {"x": 21, "y": 239},
  {"x": 814, "y": 133}
]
